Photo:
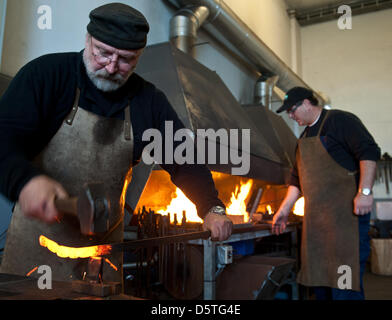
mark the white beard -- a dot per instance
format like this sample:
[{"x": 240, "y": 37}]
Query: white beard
[{"x": 102, "y": 79}]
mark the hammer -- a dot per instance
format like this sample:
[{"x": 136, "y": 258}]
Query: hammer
[{"x": 91, "y": 208}]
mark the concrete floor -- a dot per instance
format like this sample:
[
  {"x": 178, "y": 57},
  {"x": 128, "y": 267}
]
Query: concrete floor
[{"x": 377, "y": 287}]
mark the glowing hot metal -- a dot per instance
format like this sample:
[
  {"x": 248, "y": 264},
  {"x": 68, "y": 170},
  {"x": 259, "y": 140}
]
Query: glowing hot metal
[{"x": 74, "y": 253}]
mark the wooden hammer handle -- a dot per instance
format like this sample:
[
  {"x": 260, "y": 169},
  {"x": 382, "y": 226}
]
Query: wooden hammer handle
[{"x": 68, "y": 206}]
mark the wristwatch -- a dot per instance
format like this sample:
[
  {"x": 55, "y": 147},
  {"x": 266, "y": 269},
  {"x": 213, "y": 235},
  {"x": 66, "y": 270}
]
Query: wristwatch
[
  {"x": 365, "y": 191},
  {"x": 218, "y": 210}
]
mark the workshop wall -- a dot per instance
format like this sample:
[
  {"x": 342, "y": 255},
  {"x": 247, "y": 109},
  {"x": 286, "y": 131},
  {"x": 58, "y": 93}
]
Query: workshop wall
[
  {"x": 269, "y": 20},
  {"x": 354, "y": 68},
  {"x": 24, "y": 40}
]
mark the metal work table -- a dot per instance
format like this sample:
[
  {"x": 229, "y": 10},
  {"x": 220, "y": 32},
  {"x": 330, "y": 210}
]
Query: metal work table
[
  {"x": 15, "y": 287},
  {"x": 240, "y": 232}
]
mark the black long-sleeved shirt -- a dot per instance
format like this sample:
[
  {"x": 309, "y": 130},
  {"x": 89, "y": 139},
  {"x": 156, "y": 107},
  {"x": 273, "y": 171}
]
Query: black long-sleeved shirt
[
  {"x": 345, "y": 138},
  {"x": 41, "y": 95}
]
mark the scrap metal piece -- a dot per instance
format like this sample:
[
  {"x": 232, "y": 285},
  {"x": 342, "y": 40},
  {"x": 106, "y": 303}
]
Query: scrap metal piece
[
  {"x": 93, "y": 288},
  {"x": 93, "y": 283}
]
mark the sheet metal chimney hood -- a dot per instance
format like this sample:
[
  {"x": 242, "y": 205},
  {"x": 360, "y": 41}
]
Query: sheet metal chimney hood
[{"x": 202, "y": 101}]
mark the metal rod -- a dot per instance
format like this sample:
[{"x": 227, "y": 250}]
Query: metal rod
[{"x": 256, "y": 203}]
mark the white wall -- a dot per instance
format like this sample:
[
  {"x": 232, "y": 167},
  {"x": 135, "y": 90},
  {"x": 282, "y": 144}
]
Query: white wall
[
  {"x": 354, "y": 68},
  {"x": 3, "y": 10},
  {"x": 269, "y": 20},
  {"x": 24, "y": 41}
]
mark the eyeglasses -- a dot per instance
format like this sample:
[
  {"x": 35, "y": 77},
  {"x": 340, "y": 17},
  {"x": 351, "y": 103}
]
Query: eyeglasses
[
  {"x": 295, "y": 107},
  {"x": 104, "y": 59}
]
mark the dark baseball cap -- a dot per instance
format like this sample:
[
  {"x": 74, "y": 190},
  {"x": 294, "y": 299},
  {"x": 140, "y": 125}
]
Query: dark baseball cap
[
  {"x": 119, "y": 25},
  {"x": 293, "y": 96}
]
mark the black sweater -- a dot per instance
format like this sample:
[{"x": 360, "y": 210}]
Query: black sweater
[
  {"x": 345, "y": 138},
  {"x": 41, "y": 95}
]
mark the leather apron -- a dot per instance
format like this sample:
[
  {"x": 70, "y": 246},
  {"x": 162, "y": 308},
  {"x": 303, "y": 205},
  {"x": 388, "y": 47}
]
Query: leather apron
[
  {"x": 86, "y": 149},
  {"x": 330, "y": 236}
]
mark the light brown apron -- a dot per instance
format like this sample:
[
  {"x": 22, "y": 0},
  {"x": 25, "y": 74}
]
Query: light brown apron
[
  {"x": 330, "y": 236},
  {"x": 86, "y": 149}
]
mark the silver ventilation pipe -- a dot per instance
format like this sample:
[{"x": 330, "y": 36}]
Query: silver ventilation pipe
[
  {"x": 184, "y": 25},
  {"x": 264, "y": 89},
  {"x": 227, "y": 24}
]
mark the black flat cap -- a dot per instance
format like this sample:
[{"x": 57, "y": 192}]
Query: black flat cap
[
  {"x": 293, "y": 96},
  {"x": 119, "y": 25}
]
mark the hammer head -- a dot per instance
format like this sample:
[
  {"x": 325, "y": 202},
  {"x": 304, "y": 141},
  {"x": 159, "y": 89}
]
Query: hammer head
[{"x": 93, "y": 209}]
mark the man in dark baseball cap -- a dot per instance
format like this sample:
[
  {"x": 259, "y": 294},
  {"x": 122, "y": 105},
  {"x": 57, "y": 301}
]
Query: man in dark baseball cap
[
  {"x": 335, "y": 168},
  {"x": 293, "y": 96}
]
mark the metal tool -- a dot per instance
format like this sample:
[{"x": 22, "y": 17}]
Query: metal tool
[
  {"x": 256, "y": 203},
  {"x": 183, "y": 237},
  {"x": 91, "y": 207}
]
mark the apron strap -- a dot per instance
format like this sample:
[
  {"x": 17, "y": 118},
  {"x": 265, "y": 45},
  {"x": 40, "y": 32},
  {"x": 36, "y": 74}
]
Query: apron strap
[
  {"x": 71, "y": 115},
  {"x": 322, "y": 123},
  {"x": 128, "y": 133},
  {"x": 127, "y": 123}
]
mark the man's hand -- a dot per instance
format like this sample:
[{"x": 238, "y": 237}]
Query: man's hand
[
  {"x": 37, "y": 198},
  {"x": 279, "y": 222},
  {"x": 363, "y": 204},
  {"x": 219, "y": 225}
]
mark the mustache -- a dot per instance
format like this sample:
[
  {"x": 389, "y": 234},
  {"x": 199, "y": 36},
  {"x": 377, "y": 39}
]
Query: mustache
[{"x": 103, "y": 74}]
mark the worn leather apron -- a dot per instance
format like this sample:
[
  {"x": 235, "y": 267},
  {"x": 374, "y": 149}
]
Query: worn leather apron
[
  {"x": 86, "y": 149},
  {"x": 330, "y": 236}
]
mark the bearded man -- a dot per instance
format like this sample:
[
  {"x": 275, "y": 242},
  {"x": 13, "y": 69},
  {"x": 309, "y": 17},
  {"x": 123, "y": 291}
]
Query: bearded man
[{"x": 72, "y": 118}]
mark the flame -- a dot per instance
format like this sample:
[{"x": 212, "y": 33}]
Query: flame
[
  {"x": 180, "y": 203},
  {"x": 269, "y": 209},
  {"x": 237, "y": 204},
  {"x": 177, "y": 205},
  {"x": 74, "y": 253},
  {"x": 299, "y": 207}
]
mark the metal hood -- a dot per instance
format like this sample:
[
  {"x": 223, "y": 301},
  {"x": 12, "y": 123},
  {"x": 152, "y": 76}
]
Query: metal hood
[
  {"x": 202, "y": 101},
  {"x": 222, "y": 23}
]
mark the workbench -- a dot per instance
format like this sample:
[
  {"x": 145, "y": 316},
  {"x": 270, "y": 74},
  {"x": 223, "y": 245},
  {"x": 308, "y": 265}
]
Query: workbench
[
  {"x": 243, "y": 232},
  {"x": 15, "y": 287}
]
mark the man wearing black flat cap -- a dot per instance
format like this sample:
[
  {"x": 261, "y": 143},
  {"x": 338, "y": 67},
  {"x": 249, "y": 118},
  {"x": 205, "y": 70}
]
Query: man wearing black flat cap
[
  {"x": 334, "y": 171},
  {"x": 73, "y": 118}
]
